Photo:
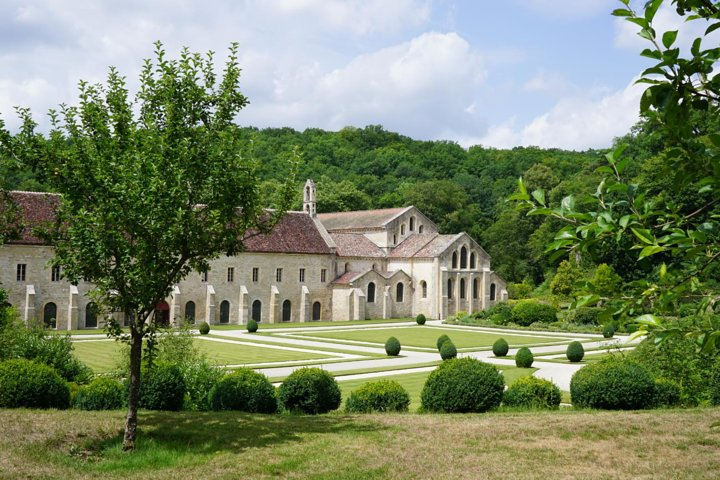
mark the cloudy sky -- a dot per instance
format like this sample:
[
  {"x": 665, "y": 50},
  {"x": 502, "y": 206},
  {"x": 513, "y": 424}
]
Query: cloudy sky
[{"x": 552, "y": 73}]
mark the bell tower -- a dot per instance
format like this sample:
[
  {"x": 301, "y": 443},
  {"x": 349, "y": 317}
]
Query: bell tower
[{"x": 309, "y": 202}]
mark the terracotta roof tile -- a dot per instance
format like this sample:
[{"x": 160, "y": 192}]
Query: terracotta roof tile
[
  {"x": 348, "y": 277},
  {"x": 412, "y": 244},
  {"x": 437, "y": 246},
  {"x": 296, "y": 232},
  {"x": 360, "y": 220},
  {"x": 356, "y": 245},
  {"x": 36, "y": 209}
]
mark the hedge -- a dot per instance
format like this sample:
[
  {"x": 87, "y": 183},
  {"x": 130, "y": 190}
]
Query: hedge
[
  {"x": 379, "y": 396},
  {"x": 462, "y": 385},
  {"x": 309, "y": 390},
  {"x": 244, "y": 390}
]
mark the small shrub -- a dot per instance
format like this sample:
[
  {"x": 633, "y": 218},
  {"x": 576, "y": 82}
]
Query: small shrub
[
  {"x": 420, "y": 319},
  {"x": 667, "y": 393},
  {"x": 500, "y": 347},
  {"x": 252, "y": 326},
  {"x": 162, "y": 387},
  {"x": 527, "y": 312},
  {"x": 204, "y": 328},
  {"x": 587, "y": 315},
  {"x": 575, "y": 351},
  {"x": 392, "y": 347},
  {"x": 380, "y": 396},
  {"x": 448, "y": 350},
  {"x": 532, "y": 392},
  {"x": 715, "y": 384},
  {"x": 613, "y": 384},
  {"x": 25, "y": 383},
  {"x": 244, "y": 390},
  {"x": 441, "y": 339},
  {"x": 500, "y": 313},
  {"x": 524, "y": 358},
  {"x": 309, "y": 390},
  {"x": 462, "y": 385},
  {"x": 103, "y": 393},
  {"x": 609, "y": 330}
]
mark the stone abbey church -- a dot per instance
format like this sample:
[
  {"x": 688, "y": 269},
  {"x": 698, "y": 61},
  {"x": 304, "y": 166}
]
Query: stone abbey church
[{"x": 387, "y": 263}]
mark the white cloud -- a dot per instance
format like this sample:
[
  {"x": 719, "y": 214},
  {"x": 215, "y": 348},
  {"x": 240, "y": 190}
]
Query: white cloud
[
  {"x": 570, "y": 8},
  {"x": 547, "y": 82}
]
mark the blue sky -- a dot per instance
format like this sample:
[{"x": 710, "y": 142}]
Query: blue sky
[{"x": 552, "y": 73}]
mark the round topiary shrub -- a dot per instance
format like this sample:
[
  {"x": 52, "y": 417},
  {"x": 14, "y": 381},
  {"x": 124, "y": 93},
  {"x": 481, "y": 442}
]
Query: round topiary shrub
[
  {"x": 441, "y": 339},
  {"x": 252, "y": 326},
  {"x": 162, "y": 387},
  {"x": 575, "y": 351},
  {"x": 244, "y": 390},
  {"x": 587, "y": 315},
  {"x": 613, "y": 384},
  {"x": 667, "y": 393},
  {"x": 524, "y": 358},
  {"x": 392, "y": 347},
  {"x": 380, "y": 396},
  {"x": 309, "y": 390},
  {"x": 526, "y": 312},
  {"x": 532, "y": 392},
  {"x": 204, "y": 328},
  {"x": 24, "y": 383},
  {"x": 448, "y": 350},
  {"x": 103, "y": 393},
  {"x": 462, "y": 385},
  {"x": 420, "y": 319},
  {"x": 609, "y": 330},
  {"x": 500, "y": 347}
]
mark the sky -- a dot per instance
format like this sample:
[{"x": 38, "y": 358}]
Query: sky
[{"x": 548, "y": 73}]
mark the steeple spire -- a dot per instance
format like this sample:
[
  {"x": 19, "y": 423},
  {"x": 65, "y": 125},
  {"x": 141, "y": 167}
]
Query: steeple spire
[{"x": 309, "y": 202}]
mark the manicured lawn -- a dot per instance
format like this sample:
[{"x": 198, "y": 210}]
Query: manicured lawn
[
  {"x": 101, "y": 355},
  {"x": 273, "y": 326},
  {"x": 660, "y": 444},
  {"x": 427, "y": 337}
]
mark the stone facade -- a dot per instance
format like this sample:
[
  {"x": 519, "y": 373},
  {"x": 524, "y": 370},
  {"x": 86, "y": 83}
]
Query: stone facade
[{"x": 386, "y": 263}]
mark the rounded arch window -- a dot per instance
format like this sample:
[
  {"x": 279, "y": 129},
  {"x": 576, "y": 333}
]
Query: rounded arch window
[
  {"x": 256, "y": 310},
  {"x": 399, "y": 292},
  {"x": 454, "y": 260},
  {"x": 91, "y": 312},
  {"x": 224, "y": 311},
  {"x": 50, "y": 315},
  {"x": 412, "y": 224},
  {"x": 493, "y": 289},
  {"x": 402, "y": 229},
  {"x": 190, "y": 312},
  {"x": 472, "y": 260},
  {"x": 286, "y": 311},
  {"x": 371, "y": 293},
  {"x": 462, "y": 289},
  {"x": 316, "y": 308},
  {"x": 450, "y": 288},
  {"x": 420, "y": 229},
  {"x": 475, "y": 288},
  {"x": 423, "y": 288},
  {"x": 463, "y": 257}
]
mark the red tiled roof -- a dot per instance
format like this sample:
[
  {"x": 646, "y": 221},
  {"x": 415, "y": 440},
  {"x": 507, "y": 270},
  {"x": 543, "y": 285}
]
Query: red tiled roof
[
  {"x": 412, "y": 244},
  {"x": 355, "y": 245},
  {"x": 348, "y": 277},
  {"x": 360, "y": 220},
  {"x": 296, "y": 232},
  {"x": 36, "y": 209},
  {"x": 437, "y": 246}
]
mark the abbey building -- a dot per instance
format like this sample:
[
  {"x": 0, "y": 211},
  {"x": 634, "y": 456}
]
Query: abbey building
[{"x": 387, "y": 263}]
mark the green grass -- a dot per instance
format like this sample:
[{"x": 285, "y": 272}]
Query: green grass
[
  {"x": 426, "y": 337},
  {"x": 101, "y": 355},
  {"x": 273, "y": 326},
  {"x": 264, "y": 340}
]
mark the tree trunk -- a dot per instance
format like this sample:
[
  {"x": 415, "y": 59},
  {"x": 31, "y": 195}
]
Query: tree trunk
[{"x": 136, "y": 340}]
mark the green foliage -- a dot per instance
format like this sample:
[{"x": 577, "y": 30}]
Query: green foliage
[
  {"x": 587, "y": 315},
  {"x": 448, "y": 350},
  {"x": 252, "y": 326},
  {"x": 500, "y": 347},
  {"x": 605, "y": 282},
  {"x": 420, "y": 319},
  {"x": 441, "y": 339},
  {"x": 162, "y": 388},
  {"x": 715, "y": 385},
  {"x": 524, "y": 358},
  {"x": 309, "y": 390},
  {"x": 204, "y": 328},
  {"x": 668, "y": 393},
  {"x": 613, "y": 384},
  {"x": 500, "y": 313},
  {"x": 565, "y": 281},
  {"x": 575, "y": 351},
  {"x": 526, "y": 312},
  {"x": 392, "y": 347},
  {"x": 103, "y": 393},
  {"x": 30, "y": 384},
  {"x": 244, "y": 390},
  {"x": 533, "y": 393},
  {"x": 462, "y": 385},
  {"x": 609, "y": 330},
  {"x": 379, "y": 396},
  {"x": 520, "y": 290}
]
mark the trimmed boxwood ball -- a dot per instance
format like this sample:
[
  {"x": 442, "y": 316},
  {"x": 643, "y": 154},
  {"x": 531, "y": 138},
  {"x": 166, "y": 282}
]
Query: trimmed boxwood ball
[
  {"x": 244, "y": 390},
  {"x": 532, "y": 392},
  {"x": 379, "y": 396},
  {"x": 103, "y": 393},
  {"x": 575, "y": 351},
  {"x": 24, "y": 383},
  {"x": 448, "y": 350},
  {"x": 462, "y": 385},
  {"x": 309, "y": 390},
  {"x": 524, "y": 358},
  {"x": 441, "y": 339},
  {"x": 614, "y": 385},
  {"x": 162, "y": 387},
  {"x": 420, "y": 319},
  {"x": 500, "y": 347},
  {"x": 392, "y": 347},
  {"x": 204, "y": 328},
  {"x": 252, "y": 326},
  {"x": 609, "y": 330}
]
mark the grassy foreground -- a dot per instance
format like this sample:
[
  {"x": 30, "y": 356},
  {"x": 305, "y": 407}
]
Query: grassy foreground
[{"x": 185, "y": 445}]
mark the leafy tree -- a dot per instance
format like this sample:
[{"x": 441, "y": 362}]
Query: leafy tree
[
  {"x": 152, "y": 189},
  {"x": 606, "y": 282}
]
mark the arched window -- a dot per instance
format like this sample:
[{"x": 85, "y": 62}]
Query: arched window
[
  {"x": 347, "y": 267},
  {"x": 256, "y": 310},
  {"x": 463, "y": 257},
  {"x": 402, "y": 229},
  {"x": 371, "y": 293},
  {"x": 492, "y": 292},
  {"x": 399, "y": 292},
  {"x": 475, "y": 288},
  {"x": 91, "y": 315},
  {"x": 224, "y": 311},
  {"x": 286, "y": 311},
  {"x": 316, "y": 311},
  {"x": 450, "y": 288},
  {"x": 394, "y": 239},
  {"x": 190, "y": 312},
  {"x": 412, "y": 224},
  {"x": 423, "y": 287},
  {"x": 462, "y": 289},
  {"x": 454, "y": 260},
  {"x": 50, "y": 315},
  {"x": 420, "y": 229},
  {"x": 472, "y": 260}
]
